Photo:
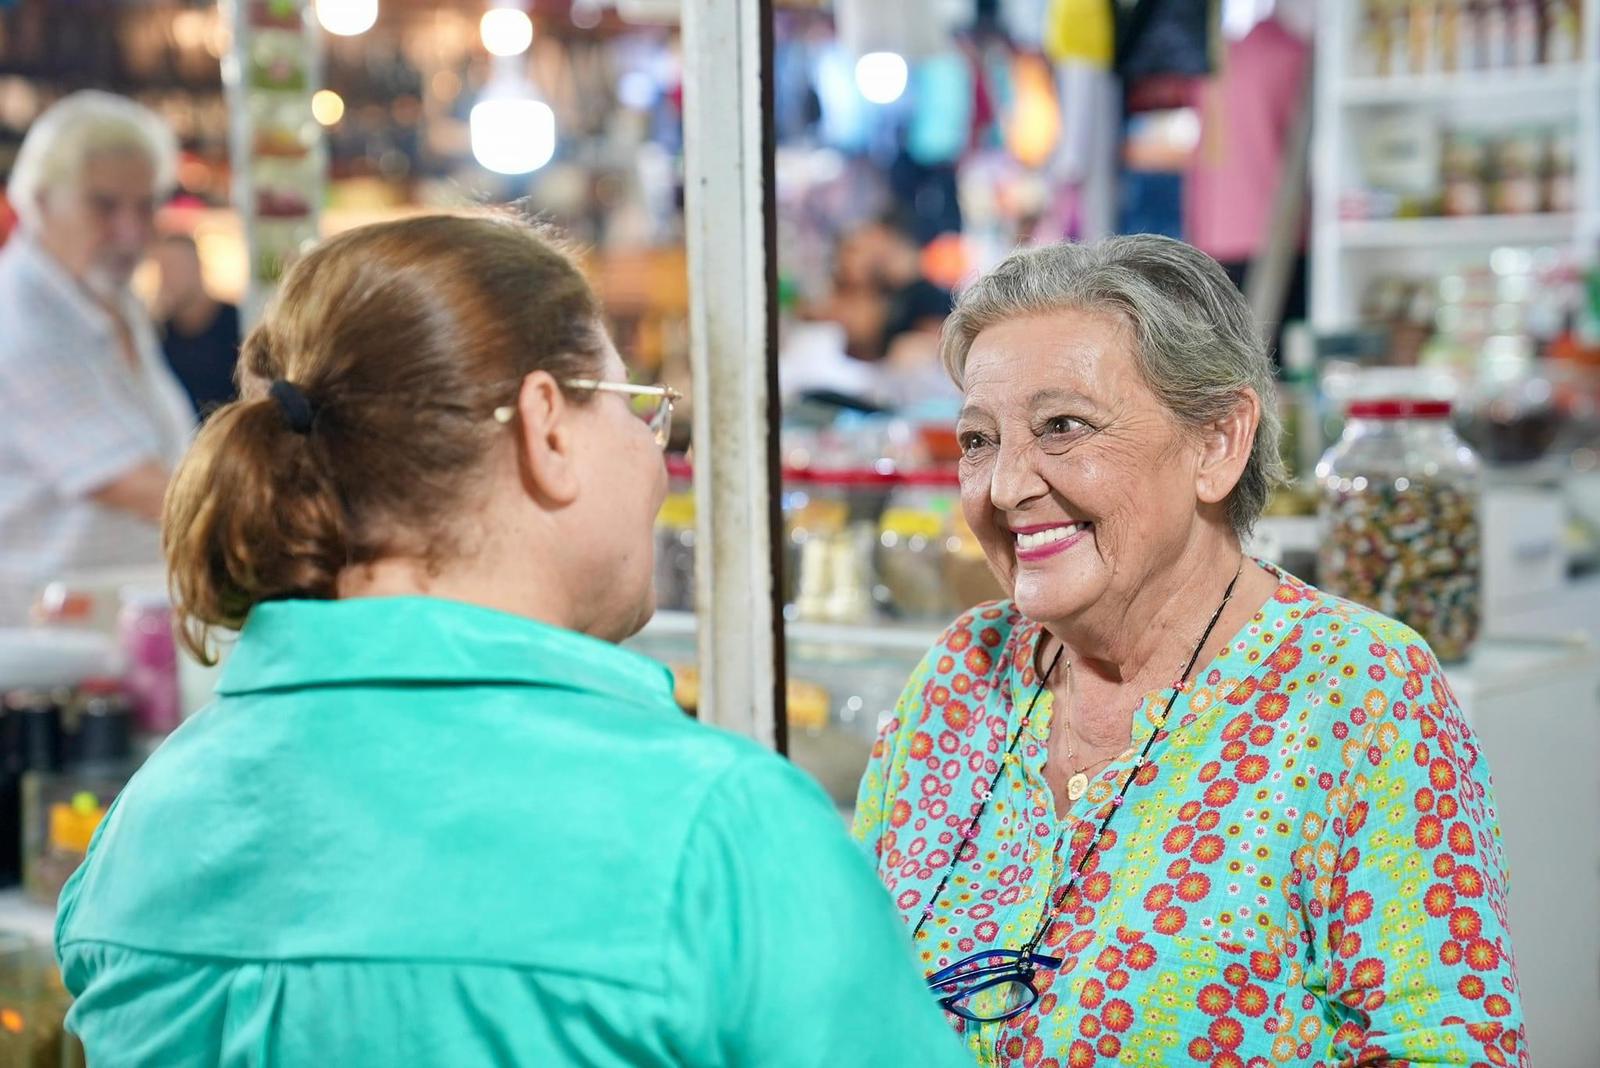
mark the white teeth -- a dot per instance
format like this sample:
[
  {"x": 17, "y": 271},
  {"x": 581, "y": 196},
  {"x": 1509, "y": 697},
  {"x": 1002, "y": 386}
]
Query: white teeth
[{"x": 1040, "y": 538}]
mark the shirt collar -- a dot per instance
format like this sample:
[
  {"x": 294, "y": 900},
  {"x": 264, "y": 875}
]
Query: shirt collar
[
  {"x": 39, "y": 262},
  {"x": 289, "y": 645}
]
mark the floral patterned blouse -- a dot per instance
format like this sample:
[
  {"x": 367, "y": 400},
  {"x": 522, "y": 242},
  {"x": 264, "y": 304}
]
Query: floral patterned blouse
[{"x": 1307, "y": 872}]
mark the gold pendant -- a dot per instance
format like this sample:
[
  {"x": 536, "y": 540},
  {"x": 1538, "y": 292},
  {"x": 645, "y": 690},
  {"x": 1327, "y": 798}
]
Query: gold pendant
[{"x": 1077, "y": 786}]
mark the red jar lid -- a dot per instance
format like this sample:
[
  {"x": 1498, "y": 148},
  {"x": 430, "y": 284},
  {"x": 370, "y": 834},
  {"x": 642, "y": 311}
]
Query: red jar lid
[{"x": 1399, "y": 408}]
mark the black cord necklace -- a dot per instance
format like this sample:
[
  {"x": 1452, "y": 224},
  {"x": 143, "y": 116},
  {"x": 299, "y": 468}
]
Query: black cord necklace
[{"x": 970, "y": 833}]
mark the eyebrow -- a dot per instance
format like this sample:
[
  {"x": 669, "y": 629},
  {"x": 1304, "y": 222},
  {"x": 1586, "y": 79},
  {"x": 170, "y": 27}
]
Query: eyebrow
[{"x": 1047, "y": 396}]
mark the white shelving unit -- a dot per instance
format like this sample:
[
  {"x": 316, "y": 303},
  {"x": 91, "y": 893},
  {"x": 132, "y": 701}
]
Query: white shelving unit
[{"x": 1347, "y": 253}]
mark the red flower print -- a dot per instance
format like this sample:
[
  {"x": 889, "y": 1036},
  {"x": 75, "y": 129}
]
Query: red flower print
[
  {"x": 1170, "y": 921},
  {"x": 921, "y": 745},
  {"x": 1252, "y": 1000},
  {"x": 1286, "y": 658},
  {"x": 1442, "y": 773},
  {"x": 1423, "y": 799},
  {"x": 979, "y": 662},
  {"x": 1193, "y": 887},
  {"x": 957, "y": 644},
  {"x": 1140, "y": 957},
  {"x": 1226, "y": 1032},
  {"x": 1214, "y": 999},
  {"x": 961, "y": 684},
  {"x": 1178, "y": 839},
  {"x": 1201, "y": 1050},
  {"x": 1109, "y": 960},
  {"x": 1482, "y": 955},
  {"x": 1253, "y": 768},
  {"x": 1367, "y": 974},
  {"x": 1094, "y": 992},
  {"x": 1109, "y": 1046},
  {"x": 1158, "y": 898},
  {"x": 1237, "y": 727},
  {"x": 1451, "y": 953},
  {"x": 1350, "y": 944},
  {"x": 1261, "y": 735},
  {"x": 1118, "y": 980},
  {"x": 1266, "y": 966},
  {"x": 1243, "y": 692},
  {"x": 1471, "y": 987},
  {"x": 986, "y": 931},
  {"x": 1081, "y": 1055},
  {"x": 1497, "y": 1005},
  {"x": 1443, "y": 865},
  {"x": 1234, "y": 750},
  {"x": 1430, "y": 832},
  {"x": 957, "y": 716},
  {"x": 1236, "y": 974},
  {"x": 1118, "y": 1015},
  {"x": 1210, "y": 771},
  {"x": 1467, "y": 881},
  {"x": 1097, "y": 886},
  {"x": 1209, "y": 849},
  {"x": 1465, "y": 924},
  {"x": 990, "y": 636},
  {"x": 1189, "y": 811},
  {"x": 900, "y": 813},
  {"x": 1272, "y": 706},
  {"x": 1461, "y": 839},
  {"x": 1089, "y": 1027}
]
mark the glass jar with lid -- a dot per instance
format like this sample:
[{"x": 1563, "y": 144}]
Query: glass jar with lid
[{"x": 1399, "y": 508}]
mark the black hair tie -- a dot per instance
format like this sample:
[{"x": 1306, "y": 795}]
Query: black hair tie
[{"x": 298, "y": 411}]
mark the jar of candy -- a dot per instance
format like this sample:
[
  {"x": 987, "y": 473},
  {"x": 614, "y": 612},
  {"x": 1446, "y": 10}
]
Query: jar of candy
[{"x": 1399, "y": 508}]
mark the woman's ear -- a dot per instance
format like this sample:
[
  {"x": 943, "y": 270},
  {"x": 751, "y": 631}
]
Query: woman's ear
[
  {"x": 1225, "y": 448},
  {"x": 546, "y": 440}
]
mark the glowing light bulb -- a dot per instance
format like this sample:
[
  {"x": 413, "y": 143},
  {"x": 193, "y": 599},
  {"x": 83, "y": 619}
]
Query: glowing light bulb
[
  {"x": 347, "y": 18},
  {"x": 506, "y": 31},
  {"x": 511, "y": 135},
  {"x": 327, "y": 107},
  {"x": 882, "y": 76}
]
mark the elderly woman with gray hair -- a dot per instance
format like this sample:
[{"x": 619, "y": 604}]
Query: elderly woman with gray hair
[{"x": 1167, "y": 804}]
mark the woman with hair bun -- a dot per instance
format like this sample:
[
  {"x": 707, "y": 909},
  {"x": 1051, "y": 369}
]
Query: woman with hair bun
[{"x": 435, "y": 815}]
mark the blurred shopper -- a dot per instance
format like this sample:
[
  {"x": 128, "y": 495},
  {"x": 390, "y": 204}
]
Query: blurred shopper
[
  {"x": 93, "y": 421},
  {"x": 199, "y": 333},
  {"x": 437, "y": 816}
]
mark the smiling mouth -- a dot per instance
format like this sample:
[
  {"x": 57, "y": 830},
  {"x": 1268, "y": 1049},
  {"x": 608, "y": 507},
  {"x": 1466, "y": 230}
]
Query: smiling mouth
[{"x": 1039, "y": 539}]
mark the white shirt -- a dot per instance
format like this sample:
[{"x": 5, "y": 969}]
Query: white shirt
[{"x": 74, "y": 417}]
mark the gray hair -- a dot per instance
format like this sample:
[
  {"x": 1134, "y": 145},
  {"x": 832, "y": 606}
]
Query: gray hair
[
  {"x": 76, "y": 128},
  {"x": 1196, "y": 344}
]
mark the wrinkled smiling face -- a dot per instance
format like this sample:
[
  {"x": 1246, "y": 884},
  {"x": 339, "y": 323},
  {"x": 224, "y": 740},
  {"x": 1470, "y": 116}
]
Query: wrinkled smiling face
[{"x": 1077, "y": 480}]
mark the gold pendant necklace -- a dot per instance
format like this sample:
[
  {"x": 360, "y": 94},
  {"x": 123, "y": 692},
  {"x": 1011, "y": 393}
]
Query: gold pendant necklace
[{"x": 1077, "y": 786}]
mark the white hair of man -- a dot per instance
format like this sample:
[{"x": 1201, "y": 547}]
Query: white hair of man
[{"x": 77, "y": 128}]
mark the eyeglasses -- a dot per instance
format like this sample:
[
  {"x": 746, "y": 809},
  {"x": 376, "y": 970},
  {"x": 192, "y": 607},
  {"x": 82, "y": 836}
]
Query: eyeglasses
[
  {"x": 652, "y": 404},
  {"x": 991, "y": 986}
]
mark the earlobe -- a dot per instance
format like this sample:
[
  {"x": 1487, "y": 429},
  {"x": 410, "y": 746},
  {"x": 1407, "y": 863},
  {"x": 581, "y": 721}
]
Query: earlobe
[{"x": 545, "y": 441}]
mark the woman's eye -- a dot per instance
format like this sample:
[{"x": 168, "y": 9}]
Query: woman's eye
[
  {"x": 1061, "y": 425},
  {"x": 971, "y": 442}
]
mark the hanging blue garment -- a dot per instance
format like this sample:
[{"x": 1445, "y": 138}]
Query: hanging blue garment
[{"x": 941, "y": 109}]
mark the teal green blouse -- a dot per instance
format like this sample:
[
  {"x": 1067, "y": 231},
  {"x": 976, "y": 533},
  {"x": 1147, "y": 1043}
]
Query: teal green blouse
[{"x": 415, "y": 832}]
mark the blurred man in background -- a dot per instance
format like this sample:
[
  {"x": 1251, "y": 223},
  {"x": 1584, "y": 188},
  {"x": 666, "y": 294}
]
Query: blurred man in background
[
  {"x": 199, "y": 333},
  {"x": 92, "y": 420}
]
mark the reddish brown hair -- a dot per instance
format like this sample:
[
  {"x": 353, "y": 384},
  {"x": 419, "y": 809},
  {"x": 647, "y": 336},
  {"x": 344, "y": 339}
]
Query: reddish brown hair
[{"x": 404, "y": 337}]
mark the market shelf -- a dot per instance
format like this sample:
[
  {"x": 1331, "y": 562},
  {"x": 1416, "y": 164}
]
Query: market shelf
[
  {"x": 1559, "y": 88},
  {"x": 1481, "y": 231},
  {"x": 878, "y": 636}
]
